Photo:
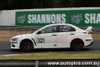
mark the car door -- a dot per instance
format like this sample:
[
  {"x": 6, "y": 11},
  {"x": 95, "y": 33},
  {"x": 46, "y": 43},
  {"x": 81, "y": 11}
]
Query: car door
[
  {"x": 47, "y": 37},
  {"x": 65, "y": 34}
]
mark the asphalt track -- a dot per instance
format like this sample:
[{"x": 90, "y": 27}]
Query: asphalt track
[{"x": 5, "y": 49}]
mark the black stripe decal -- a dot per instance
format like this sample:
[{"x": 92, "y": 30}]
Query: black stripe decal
[{"x": 34, "y": 41}]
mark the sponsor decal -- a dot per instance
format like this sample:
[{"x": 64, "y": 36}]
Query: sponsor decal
[
  {"x": 76, "y": 18},
  {"x": 21, "y": 19},
  {"x": 80, "y": 18},
  {"x": 46, "y": 18},
  {"x": 92, "y": 18},
  {"x": 55, "y": 45}
]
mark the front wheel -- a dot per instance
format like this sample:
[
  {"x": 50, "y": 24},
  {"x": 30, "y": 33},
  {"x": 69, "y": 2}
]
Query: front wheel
[
  {"x": 77, "y": 45},
  {"x": 26, "y": 46}
]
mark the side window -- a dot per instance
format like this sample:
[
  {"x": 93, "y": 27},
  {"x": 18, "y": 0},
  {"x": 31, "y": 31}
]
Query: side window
[
  {"x": 48, "y": 30},
  {"x": 72, "y": 29},
  {"x": 65, "y": 28},
  {"x": 51, "y": 29}
]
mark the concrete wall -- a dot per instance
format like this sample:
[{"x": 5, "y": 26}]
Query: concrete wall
[{"x": 7, "y": 18}]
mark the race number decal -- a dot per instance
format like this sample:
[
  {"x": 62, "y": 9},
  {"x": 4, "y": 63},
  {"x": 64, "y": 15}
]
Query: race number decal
[{"x": 40, "y": 40}]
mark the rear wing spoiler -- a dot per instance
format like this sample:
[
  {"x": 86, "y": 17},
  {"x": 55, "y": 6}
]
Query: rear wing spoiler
[{"x": 89, "y": 28}]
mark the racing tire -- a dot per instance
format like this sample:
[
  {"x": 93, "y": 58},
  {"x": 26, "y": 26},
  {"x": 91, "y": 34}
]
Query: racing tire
[
  {"x": 77, "y": 45},
  {"x": 26, "y": 46}
]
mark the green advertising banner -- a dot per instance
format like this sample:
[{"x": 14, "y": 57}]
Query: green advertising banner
[{"x": 82, "y": 18}]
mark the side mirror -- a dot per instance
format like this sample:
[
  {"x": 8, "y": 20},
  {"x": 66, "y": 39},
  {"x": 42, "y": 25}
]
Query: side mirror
[{"x": 39, "y": 32}]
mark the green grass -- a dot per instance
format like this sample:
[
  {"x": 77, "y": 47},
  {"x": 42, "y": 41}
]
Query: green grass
[
  {"x": 96, "y": 36},
  {"x": 4, "y": 38},
  {"x": 54, "y": 56}
]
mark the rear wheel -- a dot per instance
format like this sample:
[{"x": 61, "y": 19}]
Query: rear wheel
[
  {"x": 77, "y": 44},
  {"x": 26, "y": 46}
]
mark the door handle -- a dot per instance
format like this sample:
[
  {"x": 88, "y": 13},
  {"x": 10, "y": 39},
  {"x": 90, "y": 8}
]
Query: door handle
[
  {"x": 54, "y": 35},
  {"x": 72, "y": 34}
]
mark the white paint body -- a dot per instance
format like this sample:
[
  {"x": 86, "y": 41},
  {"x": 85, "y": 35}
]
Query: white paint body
[{"x": 55, "y": 39}]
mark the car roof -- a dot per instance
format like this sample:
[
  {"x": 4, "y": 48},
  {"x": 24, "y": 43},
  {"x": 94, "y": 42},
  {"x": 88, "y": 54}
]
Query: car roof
[{"x": 60, "y": 24}]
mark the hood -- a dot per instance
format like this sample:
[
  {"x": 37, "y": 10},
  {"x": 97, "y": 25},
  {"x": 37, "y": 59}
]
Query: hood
[{"x": 23, "y": 35}]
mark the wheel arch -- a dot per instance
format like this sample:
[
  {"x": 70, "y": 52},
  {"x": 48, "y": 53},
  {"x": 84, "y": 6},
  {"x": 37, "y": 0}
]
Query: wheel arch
[
  {"x": 28, "y": 40},
  {"x": 76, "y": 39}
]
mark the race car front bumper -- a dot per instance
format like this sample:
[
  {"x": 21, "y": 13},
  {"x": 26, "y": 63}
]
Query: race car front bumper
[{"x": 14, "y": 45}]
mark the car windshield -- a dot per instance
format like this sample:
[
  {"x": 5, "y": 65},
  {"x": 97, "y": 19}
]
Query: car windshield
[{"x": 35, "y": 29}]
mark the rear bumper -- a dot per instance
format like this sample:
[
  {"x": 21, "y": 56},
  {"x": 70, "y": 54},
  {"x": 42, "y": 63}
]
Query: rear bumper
[{"x": 90, "y": 44}]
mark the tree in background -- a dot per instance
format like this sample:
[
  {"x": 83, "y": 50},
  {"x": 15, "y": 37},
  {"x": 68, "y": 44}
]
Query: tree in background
[
  {"x": 30, "y": 4},
  {"x": 3, "y": 4},
  {"x": 84, "y": 3},
  {"x": 27, "y": 4}
]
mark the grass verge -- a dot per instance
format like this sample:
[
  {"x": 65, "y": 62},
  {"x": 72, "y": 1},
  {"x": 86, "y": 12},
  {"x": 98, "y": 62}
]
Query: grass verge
[
  {"x": 4, "y": 38},
  {"x": 96, "y": 36},
  {"x": 48, "y": 56}
]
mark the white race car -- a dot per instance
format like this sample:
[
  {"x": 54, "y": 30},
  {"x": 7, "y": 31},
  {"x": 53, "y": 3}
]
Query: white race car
[{"x": 54, "y": 36}]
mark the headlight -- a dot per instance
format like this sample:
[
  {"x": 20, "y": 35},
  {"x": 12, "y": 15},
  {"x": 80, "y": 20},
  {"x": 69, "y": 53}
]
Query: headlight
[{"x": 14, "y": 39}]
